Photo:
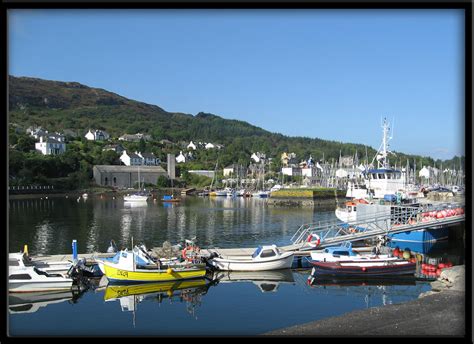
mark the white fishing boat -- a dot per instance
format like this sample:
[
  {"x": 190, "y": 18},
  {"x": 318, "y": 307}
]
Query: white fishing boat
[
  {"x": 383, "y": 180},
  {"x": 264, "y": 258},
  {"x": 345, "y": 253},
  {"x": 22, "y": 278},
  {"x": 348, "y": 213}
]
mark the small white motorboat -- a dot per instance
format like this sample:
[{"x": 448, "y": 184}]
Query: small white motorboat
[
  {"x": 136, "y": 198},
  {"x": 22, "y": 278},
  {"x": 264, "y": 258},
  {"x": 344, "y": 252},
  {"x": 52, "y": 267}
]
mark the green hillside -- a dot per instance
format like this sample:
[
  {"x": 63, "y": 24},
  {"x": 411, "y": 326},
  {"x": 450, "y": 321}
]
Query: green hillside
[{"x": 69, "y": 105}]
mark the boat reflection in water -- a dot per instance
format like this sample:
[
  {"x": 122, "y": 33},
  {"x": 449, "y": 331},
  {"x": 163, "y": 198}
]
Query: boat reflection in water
[
  {"x": 361, "y": 281},
  {"x": 32, "y": 302},
  {"x": 129, "y": 295},
  {"x": 386, "y": 288},
  {"x": 266, "y": 281}
]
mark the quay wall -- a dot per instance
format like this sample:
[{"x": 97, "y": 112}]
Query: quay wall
[{"x": 439, "y": 312}]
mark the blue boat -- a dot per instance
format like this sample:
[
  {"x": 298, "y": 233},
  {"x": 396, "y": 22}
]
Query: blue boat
[
  {"x": 421, "y": 236},
  {"x": 420, "y": 247}
]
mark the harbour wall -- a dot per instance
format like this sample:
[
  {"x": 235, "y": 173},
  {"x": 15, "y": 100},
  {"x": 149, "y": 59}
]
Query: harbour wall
[{"x": 439, "y": 312}]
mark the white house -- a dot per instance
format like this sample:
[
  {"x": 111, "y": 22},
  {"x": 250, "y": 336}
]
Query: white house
[
  {"x": 149, "y": 159},
  {"x": 50, "y": 146},
  {"x": 97, "y": 135},
  {"x": 307, "y": 171},
  {"x": 291, "y": 171},
  {"x": 131, "y": 159},
  {"x": 180, "y": 158},
  {"x": 191, "y": 146},
  {"x": 209, "y": 146}
]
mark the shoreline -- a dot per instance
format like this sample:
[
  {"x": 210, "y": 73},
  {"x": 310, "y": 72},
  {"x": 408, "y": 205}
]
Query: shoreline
[{"x": 439, "y": 312}]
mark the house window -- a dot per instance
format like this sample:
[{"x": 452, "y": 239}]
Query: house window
[
  {"x": 106, "y": 181},
  {"x": 115, "y": 181}
]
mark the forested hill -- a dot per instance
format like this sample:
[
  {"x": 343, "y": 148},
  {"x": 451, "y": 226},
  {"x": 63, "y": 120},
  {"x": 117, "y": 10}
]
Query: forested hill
[{"x": 56, "y": 106}]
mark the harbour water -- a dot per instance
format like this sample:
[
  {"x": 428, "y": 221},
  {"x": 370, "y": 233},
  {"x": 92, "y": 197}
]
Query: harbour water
[{"x": 232, "y": 304}]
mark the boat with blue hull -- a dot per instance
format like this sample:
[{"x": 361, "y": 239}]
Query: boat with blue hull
[
  {"x": 421, "y": 236},
  {"x": 426, "y": 247}
]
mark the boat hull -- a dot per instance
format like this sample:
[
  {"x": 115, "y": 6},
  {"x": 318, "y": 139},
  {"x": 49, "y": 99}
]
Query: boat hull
[
  {"x": 135, "y": 198},
  {"x": 252, "y": 265},
  {"x": 367, "y": 269},
  {"x": 16, "y": 286},
  {"x": 421, "y": 236},
  {"x": 141, "y": 275},
  {"x": 328, "y": 257},
  {"x": 346, "y": 216}
]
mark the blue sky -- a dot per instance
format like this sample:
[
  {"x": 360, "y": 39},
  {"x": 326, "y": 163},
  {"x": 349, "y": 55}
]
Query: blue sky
[{"x": 330, "y": 74}]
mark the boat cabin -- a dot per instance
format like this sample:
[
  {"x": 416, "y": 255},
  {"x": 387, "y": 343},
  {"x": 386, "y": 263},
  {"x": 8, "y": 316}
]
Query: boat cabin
[
  {"x": 344, "y": 250},
  {"x": 19, "y": 260},
  {"x": 266, "y": 252},
  {"x": 383, "y": 174}
]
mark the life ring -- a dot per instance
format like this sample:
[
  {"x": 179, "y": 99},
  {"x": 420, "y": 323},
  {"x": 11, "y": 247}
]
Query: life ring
[
  {"x": 314, "y": 240},
  {"x": 352, "y": 230},
  {"x": 184, "y": 253}
]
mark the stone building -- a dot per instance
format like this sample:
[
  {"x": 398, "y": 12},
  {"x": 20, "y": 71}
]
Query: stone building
[{"x": 126, "y": 176}]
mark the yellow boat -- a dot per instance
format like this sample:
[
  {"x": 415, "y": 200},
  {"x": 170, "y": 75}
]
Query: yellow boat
[
  {"x": 117, "y": 291},
  {"x": 126, "y": 270}
]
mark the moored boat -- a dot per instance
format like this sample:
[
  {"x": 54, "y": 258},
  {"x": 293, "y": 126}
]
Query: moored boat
[
  {"x": 126, "y": 270},
  {"x": 364, "y": 268},
  {"x": 138, "y": 197},
  {"x": 268, "y": 257},
  {"x": 29, "y": 278},
  {"x": 170, "y": 198},
  {"x": 56, "y": 267},
  {"x": 345, "y": 253}
]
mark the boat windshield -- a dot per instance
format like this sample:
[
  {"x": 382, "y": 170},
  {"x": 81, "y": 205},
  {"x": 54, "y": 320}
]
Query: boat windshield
[{"x": 257, "y": 252}]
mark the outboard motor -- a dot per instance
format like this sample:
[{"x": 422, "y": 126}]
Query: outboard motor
[{"x": 112, "y": 248}]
